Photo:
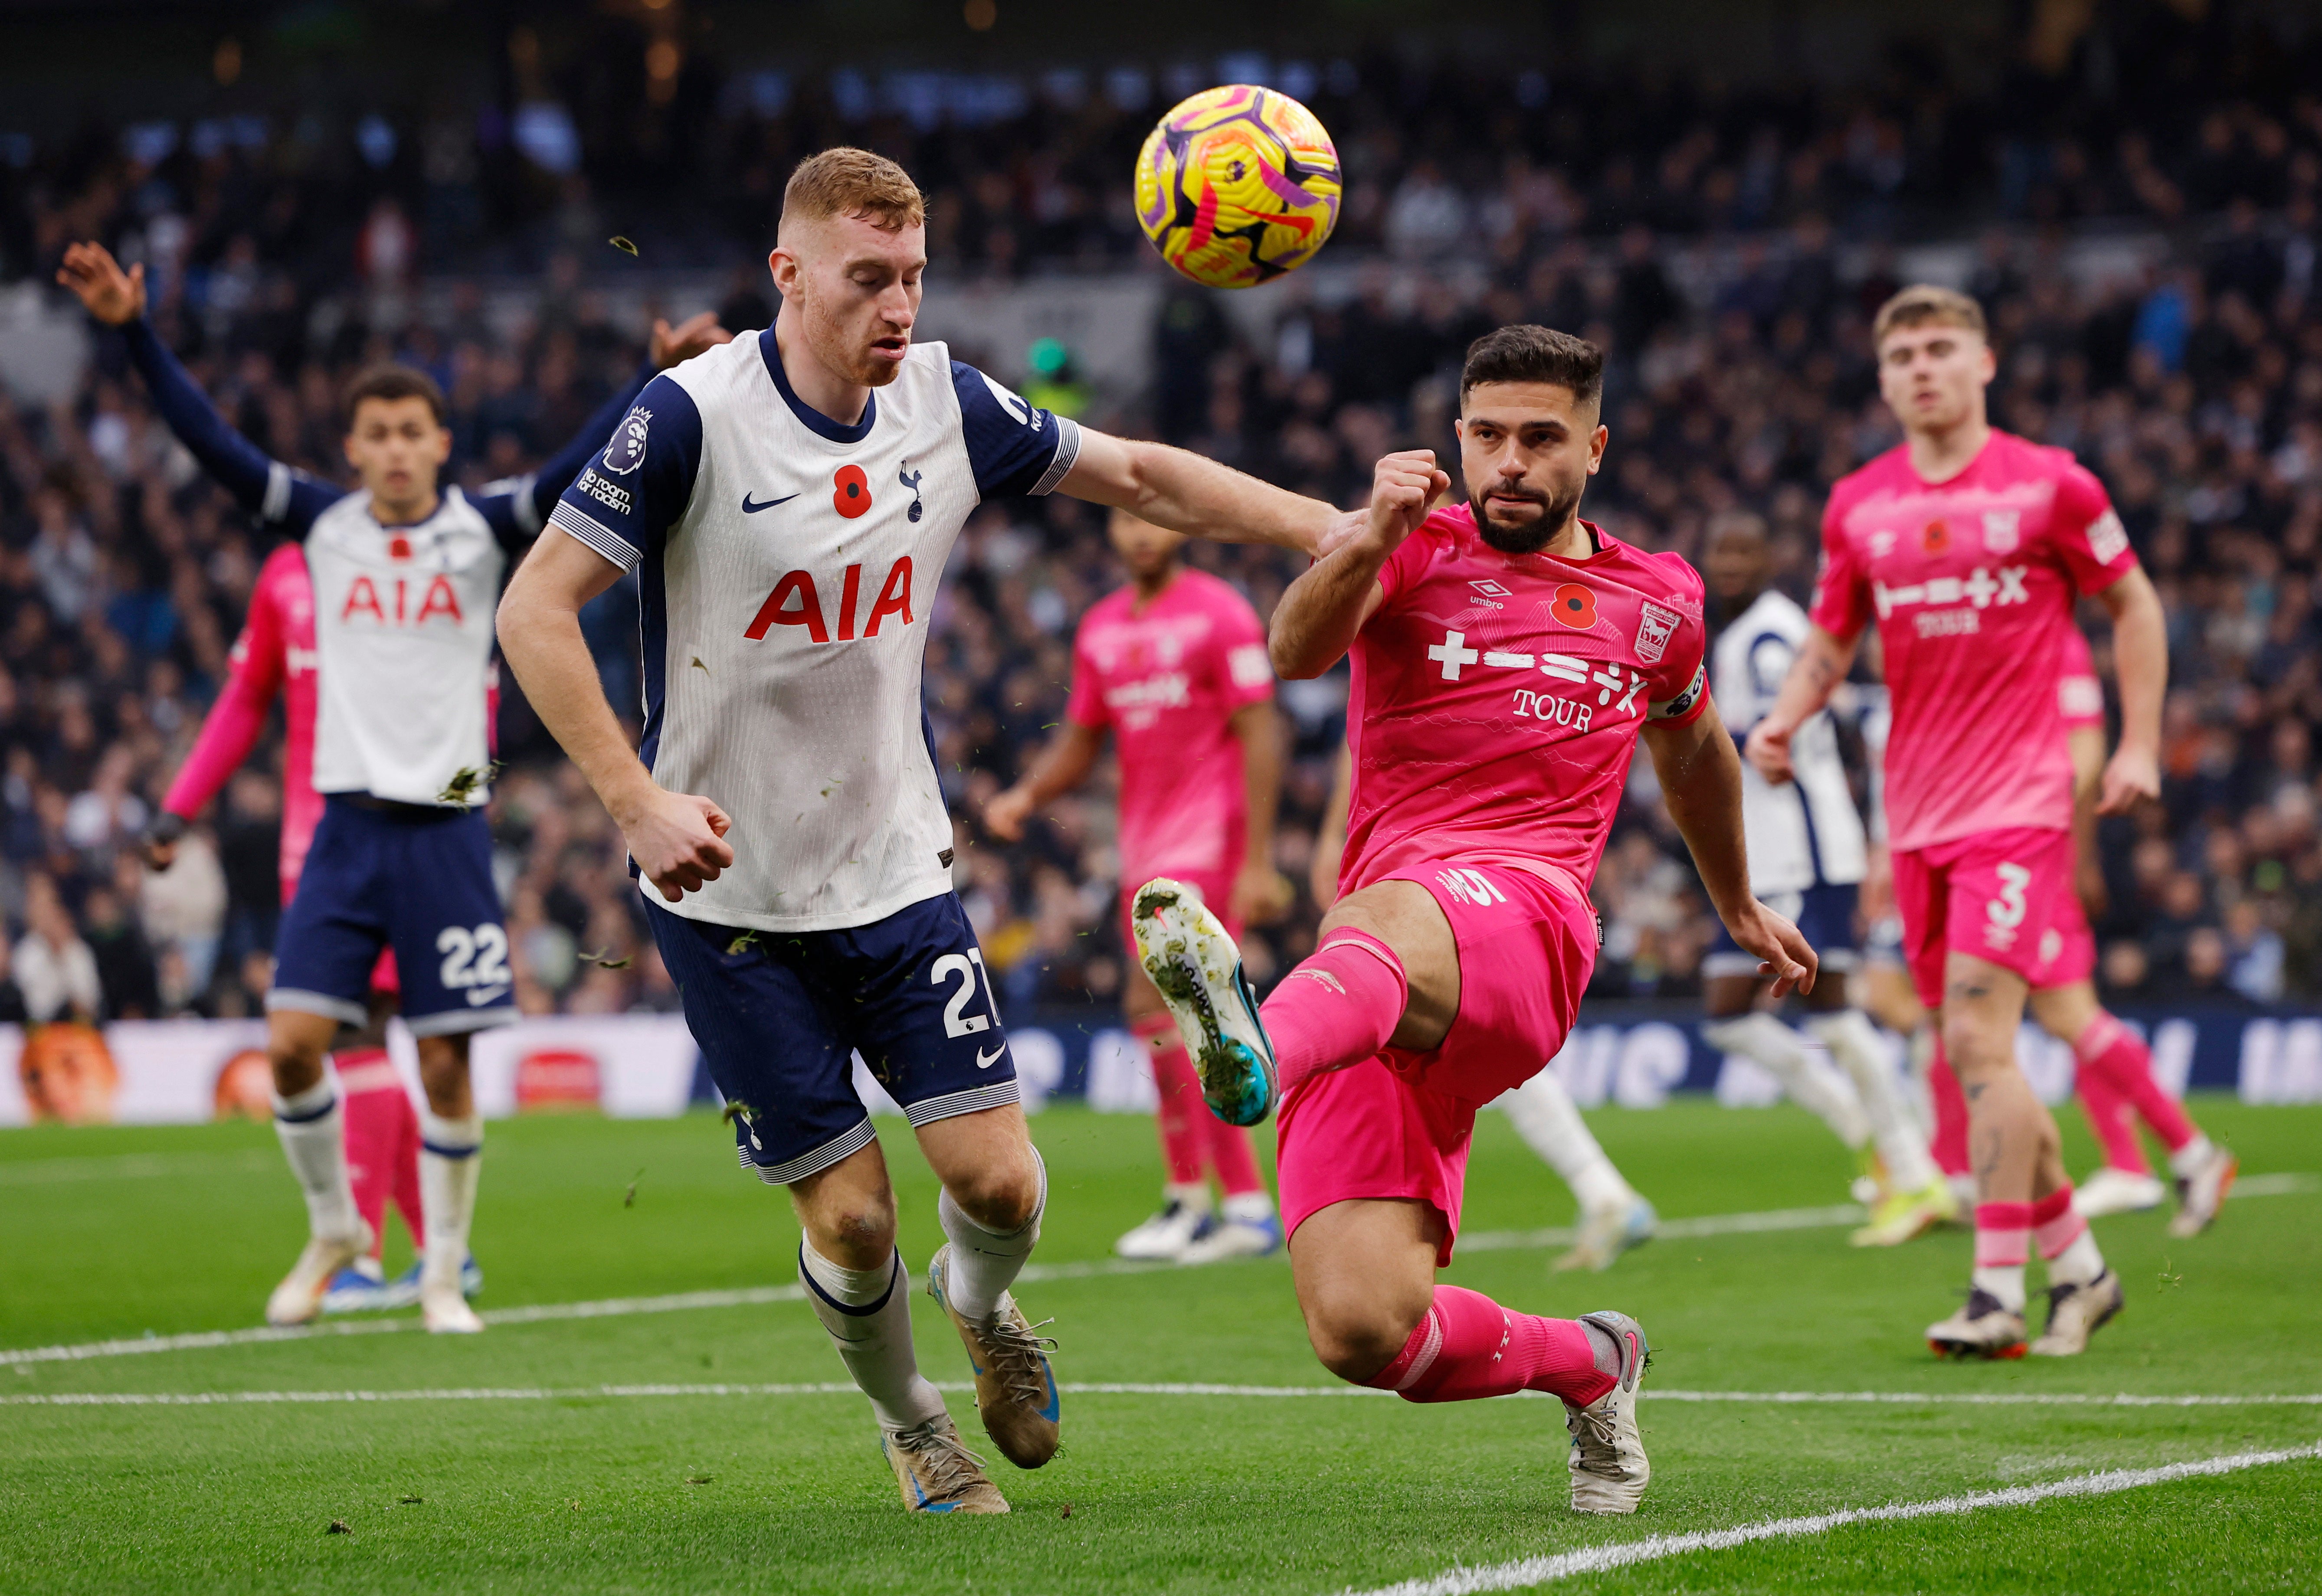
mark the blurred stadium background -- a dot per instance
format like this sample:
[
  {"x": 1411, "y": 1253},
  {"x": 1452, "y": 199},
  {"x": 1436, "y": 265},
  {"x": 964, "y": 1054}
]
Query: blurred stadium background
[{"x": 1718, "y": 194}]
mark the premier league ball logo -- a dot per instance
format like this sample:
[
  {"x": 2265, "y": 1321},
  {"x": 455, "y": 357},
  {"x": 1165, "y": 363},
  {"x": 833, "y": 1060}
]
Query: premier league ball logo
[{"x": 626, "y": 452}]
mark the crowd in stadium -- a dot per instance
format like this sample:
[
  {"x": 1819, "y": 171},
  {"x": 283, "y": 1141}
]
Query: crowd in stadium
[{"x": 2195, "y": 390}]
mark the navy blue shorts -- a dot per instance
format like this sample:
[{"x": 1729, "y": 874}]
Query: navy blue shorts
[
  {"x": 417, "y": 880},
  {"x": 780, "y": 1014},
  {"x": 1824, "y": 915}
]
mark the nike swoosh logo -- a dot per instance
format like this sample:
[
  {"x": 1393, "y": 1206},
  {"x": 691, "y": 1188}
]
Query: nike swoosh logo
[
  {"x": 749, "y": 509},
  {"x": 982, "y": 1062}
]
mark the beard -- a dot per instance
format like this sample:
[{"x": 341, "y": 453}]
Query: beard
[
  {"x": 835, "y": 347},
  {"x": 1532, "y": 536}
]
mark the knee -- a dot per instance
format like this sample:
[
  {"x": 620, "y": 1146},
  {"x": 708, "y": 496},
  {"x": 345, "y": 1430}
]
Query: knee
[
  {"x": 1002, "y": 1199},
  {"x": 1968, "y": 1045},
  {"x": 296, "y": 1064},
  {"x": 1355, "y": 1338},
  {"x": 858, "y": 1232}
]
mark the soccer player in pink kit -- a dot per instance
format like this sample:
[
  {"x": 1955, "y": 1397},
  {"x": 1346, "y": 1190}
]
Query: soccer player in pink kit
[
  {"x": 1968, "y": 548},
  {"x": 1175, "y": 664},
  {"x": 2113, "y": 1071},
  {"x": 1508, "y": 656}
]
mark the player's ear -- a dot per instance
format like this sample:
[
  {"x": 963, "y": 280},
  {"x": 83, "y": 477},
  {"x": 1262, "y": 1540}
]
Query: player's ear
[
  {"x": 1596, "y": 442},
  {"x": 442, "y": 443}
]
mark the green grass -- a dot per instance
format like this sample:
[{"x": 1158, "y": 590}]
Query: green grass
[{"x": 120, "y": 1232}]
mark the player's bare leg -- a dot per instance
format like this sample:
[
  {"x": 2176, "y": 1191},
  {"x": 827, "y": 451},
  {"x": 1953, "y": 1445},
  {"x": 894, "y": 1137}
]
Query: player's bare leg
[
  {"x": 1366, "y": 1277},
  {"x": 311, "y": 1124},
  {"x": 2024, "y": 1195},
  {"x": 451, "y": 1146},
  {"x": 861, "y": 1292},
  {"x": 994, "y": 1190}
]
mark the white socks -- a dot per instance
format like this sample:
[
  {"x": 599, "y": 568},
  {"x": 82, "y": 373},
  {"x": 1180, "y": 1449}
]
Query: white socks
[
  {"x": 2003, "y": 1280},
  {"x": 868, "y": 1313},
  {"x": 312, "y": 1126},
  {"x": 1812, "y": 1084},
  {"x": 2077, "y": 1264},
  {"x": 2187, "y": 1161},
  {"x": 1902, "y": 1146},
  {"x": 1550, "y": 1122},
  {"x": 1195, "y": 1198},
  {"x": 1249, "y": 1207},
  {"x": 448, "y": 1157},
  {"x": 984, "y": 1264}
]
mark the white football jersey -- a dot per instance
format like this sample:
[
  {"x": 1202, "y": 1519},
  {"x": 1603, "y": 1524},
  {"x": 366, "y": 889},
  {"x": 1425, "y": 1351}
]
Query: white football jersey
[
  {"x": 1804, "y": 833},
  {"x": 402, "y": 635},
  {"x": 789, "y": 566}
]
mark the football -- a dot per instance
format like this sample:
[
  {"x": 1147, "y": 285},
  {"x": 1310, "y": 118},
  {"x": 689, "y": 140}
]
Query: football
[{"x": 1236, "y": 186}]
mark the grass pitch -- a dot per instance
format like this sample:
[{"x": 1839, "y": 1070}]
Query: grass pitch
[{"x": 521, "y": 1472}]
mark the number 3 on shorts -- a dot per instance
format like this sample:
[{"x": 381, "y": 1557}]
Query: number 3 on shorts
[
  {"x": 475, "y": 959},
  {"x": 2008, "y": 909}
]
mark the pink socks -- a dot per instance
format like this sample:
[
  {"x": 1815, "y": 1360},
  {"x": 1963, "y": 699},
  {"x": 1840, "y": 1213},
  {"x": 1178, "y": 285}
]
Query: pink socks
[
  {"x": 2115, "y": 1076},
  {"x": 1180, "y": 1111},
  {"x": 1338, "y": 1007},
  {"x": 1470, "y": 1346},
  {"x": 1949, "y": 1144}
]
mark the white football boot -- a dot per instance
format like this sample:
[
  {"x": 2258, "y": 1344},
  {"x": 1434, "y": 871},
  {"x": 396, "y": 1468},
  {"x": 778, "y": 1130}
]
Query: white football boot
[
  {"x": 298, "y": 1299},
  {"x": 1197, "y": 969},
  {"x": 2116, "y": 1192},
  {"x": 1166, "y": 1234},
  {"x": 2202, "y": 1194},
  {"x": 1607, "y": 1461},
  {"x": 1606, "y": 1233}
]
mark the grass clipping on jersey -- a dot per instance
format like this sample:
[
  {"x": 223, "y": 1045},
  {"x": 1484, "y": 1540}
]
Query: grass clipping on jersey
[{"x": 467, "y": 782}]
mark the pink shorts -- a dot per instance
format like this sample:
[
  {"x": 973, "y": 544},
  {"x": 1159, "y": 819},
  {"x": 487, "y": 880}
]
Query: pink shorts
[
  {"x": 1992, "y": 895},
  {"x": 2068, "y": 948},
  {"x": 1398, "y": 1126}
]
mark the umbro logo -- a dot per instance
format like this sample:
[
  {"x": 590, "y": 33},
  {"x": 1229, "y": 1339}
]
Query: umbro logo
[
  {"x": 1489, "y": 592},
  {"x": 749, "y": 509}
]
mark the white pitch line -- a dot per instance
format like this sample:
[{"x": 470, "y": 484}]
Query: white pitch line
[
  {"x": 131, "y": 1166},
  {"x": 1699, "y": 1226},
  {"x": 832, "y": 1388},
  {"x": 1540, "y": 1570}
]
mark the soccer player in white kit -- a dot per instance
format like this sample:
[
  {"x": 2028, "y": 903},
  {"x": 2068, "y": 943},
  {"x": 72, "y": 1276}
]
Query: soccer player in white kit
[
  {"x": 1807, "y": 855},
  {"x": 791, "y": 500},
  {"x": 404, "y": 579}
]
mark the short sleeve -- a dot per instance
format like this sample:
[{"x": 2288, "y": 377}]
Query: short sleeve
[
  {"x": 1842, "y": 596},
  {"x": 1245, "y": 674},
  {"x": 1405, "y": 566},
  {"x": 1679, "y": 684},
  {"x": 634, "y": 490},
  {"x": 1086, "y": 708},
  {"x": 1015, "y": 449},
  {"x": 2086, "y": 532}
]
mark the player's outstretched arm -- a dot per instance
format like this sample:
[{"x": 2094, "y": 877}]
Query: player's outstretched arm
[
  {"x": 1701, "y": 782},
  {"x": 265, "y": 487},
  {"x": 675, "y": 837},
  {"x": 1180, "y": 491},
  {"x": 2140, "y": 651},
  {"x": 1821, "y": 664},
  {"x": 1316, "y": 622},
  {"x": 1064, "y": 765}
]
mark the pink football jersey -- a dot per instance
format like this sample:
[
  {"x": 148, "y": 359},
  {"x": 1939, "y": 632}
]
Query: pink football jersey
[
  {"x": 1973, "y": 583},
  {"x": 2079, "y": 696},
  {"x": 1166, "y": 678},
  {"x": 1497, "y": 698},
  {"x": 275, "y": 653}
]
